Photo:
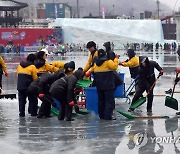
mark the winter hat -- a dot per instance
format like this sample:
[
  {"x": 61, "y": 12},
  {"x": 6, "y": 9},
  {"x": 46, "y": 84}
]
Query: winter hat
[
  {"x": 79, "y": 74},
  {"x": 70, "y": 66},
  {"x": 31, "y": 57},
  {"x": 107, "y": 45},
  {"x": 131, "y": 53},
  {"x": 40, "y": 54},
  {"x": 45, "y": 50},
  {"x": 91, "y": 44},
  {"x": 101, "y": 53}
]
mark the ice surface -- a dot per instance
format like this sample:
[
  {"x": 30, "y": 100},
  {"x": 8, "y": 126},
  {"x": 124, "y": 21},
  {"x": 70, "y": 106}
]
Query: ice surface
[{"x": 87, "y": 134}]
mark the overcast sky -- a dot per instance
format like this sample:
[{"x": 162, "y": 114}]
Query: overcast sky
[{"x": 171, "y": 3}]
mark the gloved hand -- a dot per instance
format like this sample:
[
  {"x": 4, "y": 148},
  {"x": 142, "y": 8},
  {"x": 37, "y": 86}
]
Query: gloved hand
[
  {"x": 161, "y": 72},
  {"x": 120, "y": 63},
  {"x": 41, "y": 96},
  {"x": 177, "y": 80},
  {"x": 71, "y": 103},
  {"x": 177, "y": 70},
  {"x": 117, "y": 56},
  {"x": 87, "y": 74},
  {"x": 84, "y": 71},
  {"x": 6, "y": 74}
]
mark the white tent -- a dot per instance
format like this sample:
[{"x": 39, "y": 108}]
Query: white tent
[{"x": 114, "y": 30}]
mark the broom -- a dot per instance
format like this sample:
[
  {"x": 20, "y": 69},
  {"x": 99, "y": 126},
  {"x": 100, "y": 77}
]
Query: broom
[
  {"x": 170, "y": 101},
  {"x": 142, "y": 100},
  {"x": 129, "y": 116}
]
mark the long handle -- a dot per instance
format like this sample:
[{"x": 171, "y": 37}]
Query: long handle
[
  {"x": 152, "y": 117},
  {"x": 174, "y": 85},
  {"x": 153, "y": 85}
]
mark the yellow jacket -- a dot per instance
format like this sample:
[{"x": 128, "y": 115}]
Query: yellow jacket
[
  {"x": 133, "y": 62},
  {"x": 58, "y": 64},
  {"x": 133, "y": 65},
  {"x": 104, "y": 74},
  {"x": 108, "y": 65},
  {"x": 26, "y": 74},
  {"x": 90, "y": 61},
  {"x": 47, "y": 67},
  {"x": 2, "y": 63}
]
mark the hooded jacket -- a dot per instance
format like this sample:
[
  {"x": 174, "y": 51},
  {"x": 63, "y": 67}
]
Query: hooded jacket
[
  {"x": 110, "y": 54},
  {"x": 43, "y": 83},
  {"x": 91, "y": 60},
  {"x": 103, "y": 73},
  {"x": 42, "y": 65},
  {"x": 146, "y": 74},
  {"x": 65, "y": 86},
  {"x": 26, "y": 73},
  {"x": 132, "y": 63}
]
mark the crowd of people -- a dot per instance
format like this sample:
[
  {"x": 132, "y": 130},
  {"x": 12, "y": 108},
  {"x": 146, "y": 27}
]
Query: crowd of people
[{"x": 37, "y": 78}]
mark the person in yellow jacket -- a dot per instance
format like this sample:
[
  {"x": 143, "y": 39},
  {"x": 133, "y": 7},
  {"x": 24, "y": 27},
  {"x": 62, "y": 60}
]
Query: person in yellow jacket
[
  {"x": 104, "y": 79},
  {"x": 58, "y": 64},
  {"x": 42, "y": 65},
  {"x": 3, "y": 68},
  {"x": 26, "y": 72},
  {"x": 91, "y": 46},
  {"x": 68, "y": 67},
  {"x": 132, "y": 63}
]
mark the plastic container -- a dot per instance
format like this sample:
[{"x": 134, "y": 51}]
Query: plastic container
[
  {"x": 119, "y": 92},
  {"x": 91, "y": 99}
]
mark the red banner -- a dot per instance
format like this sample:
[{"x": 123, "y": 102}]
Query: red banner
[{"x": 27, "y": 36}]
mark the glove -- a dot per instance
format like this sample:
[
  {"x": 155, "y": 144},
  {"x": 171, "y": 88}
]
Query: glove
[
  {"x": 6, "y": 74},
  {"x": 177, "y": 70},
  {"x": 117, "y": 56},
  {"x": 176, "y": 80},
  {"x": 41, "y": 96},
  {"x": 84, "y": 71},
  {"x": 121, "y": 63},
  {"x": 71, "y": 103},
  {"x": 161, "y": 72},
  {"x": 87, "y": 74}
]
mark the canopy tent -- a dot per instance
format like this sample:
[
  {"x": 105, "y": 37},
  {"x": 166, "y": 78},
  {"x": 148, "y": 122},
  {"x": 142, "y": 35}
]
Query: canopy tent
[
  {"x": 10, "y": 5},
  {"x": 114, "y": 30}
]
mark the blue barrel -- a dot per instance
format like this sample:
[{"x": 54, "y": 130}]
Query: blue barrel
[
  {"x": 57, "y": 104},
  {"x": 91, "y": 99},
  {"x": 119, "y": 92}
]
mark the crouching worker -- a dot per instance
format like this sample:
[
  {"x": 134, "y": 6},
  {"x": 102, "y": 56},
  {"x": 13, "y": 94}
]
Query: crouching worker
[
  {"x": 26, "y": 72},
  {"x": 146, "y": 80},
  {"x": 104, "y": 78},
  {"x": 63, "y": 90},
  {"x": 40, "y": 88},
  {"x": 68, "y": 67}
]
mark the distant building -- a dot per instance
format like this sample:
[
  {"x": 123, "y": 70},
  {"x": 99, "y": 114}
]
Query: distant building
[
  {"x": 177, "y": 19},
  {"x": 53, "y": 10},
  {"x": 169, "y": 27},
  {"x": 146, "y": 15}
]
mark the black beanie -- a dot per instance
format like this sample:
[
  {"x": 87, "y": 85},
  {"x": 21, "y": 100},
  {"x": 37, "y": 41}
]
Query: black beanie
[
  {"x": 91, "y": 44},
  {"x": 101, "y": 53},
  {"x": 70, "y": 65},
  {"x": 31, "y": 57},
  {"x": 107, "y": 45},
  {"x": 40, "y": 54},
  {"x": 131, "y": 53}
]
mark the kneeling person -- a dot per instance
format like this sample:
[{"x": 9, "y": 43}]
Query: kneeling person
[{"x": 63, "y": 90}]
